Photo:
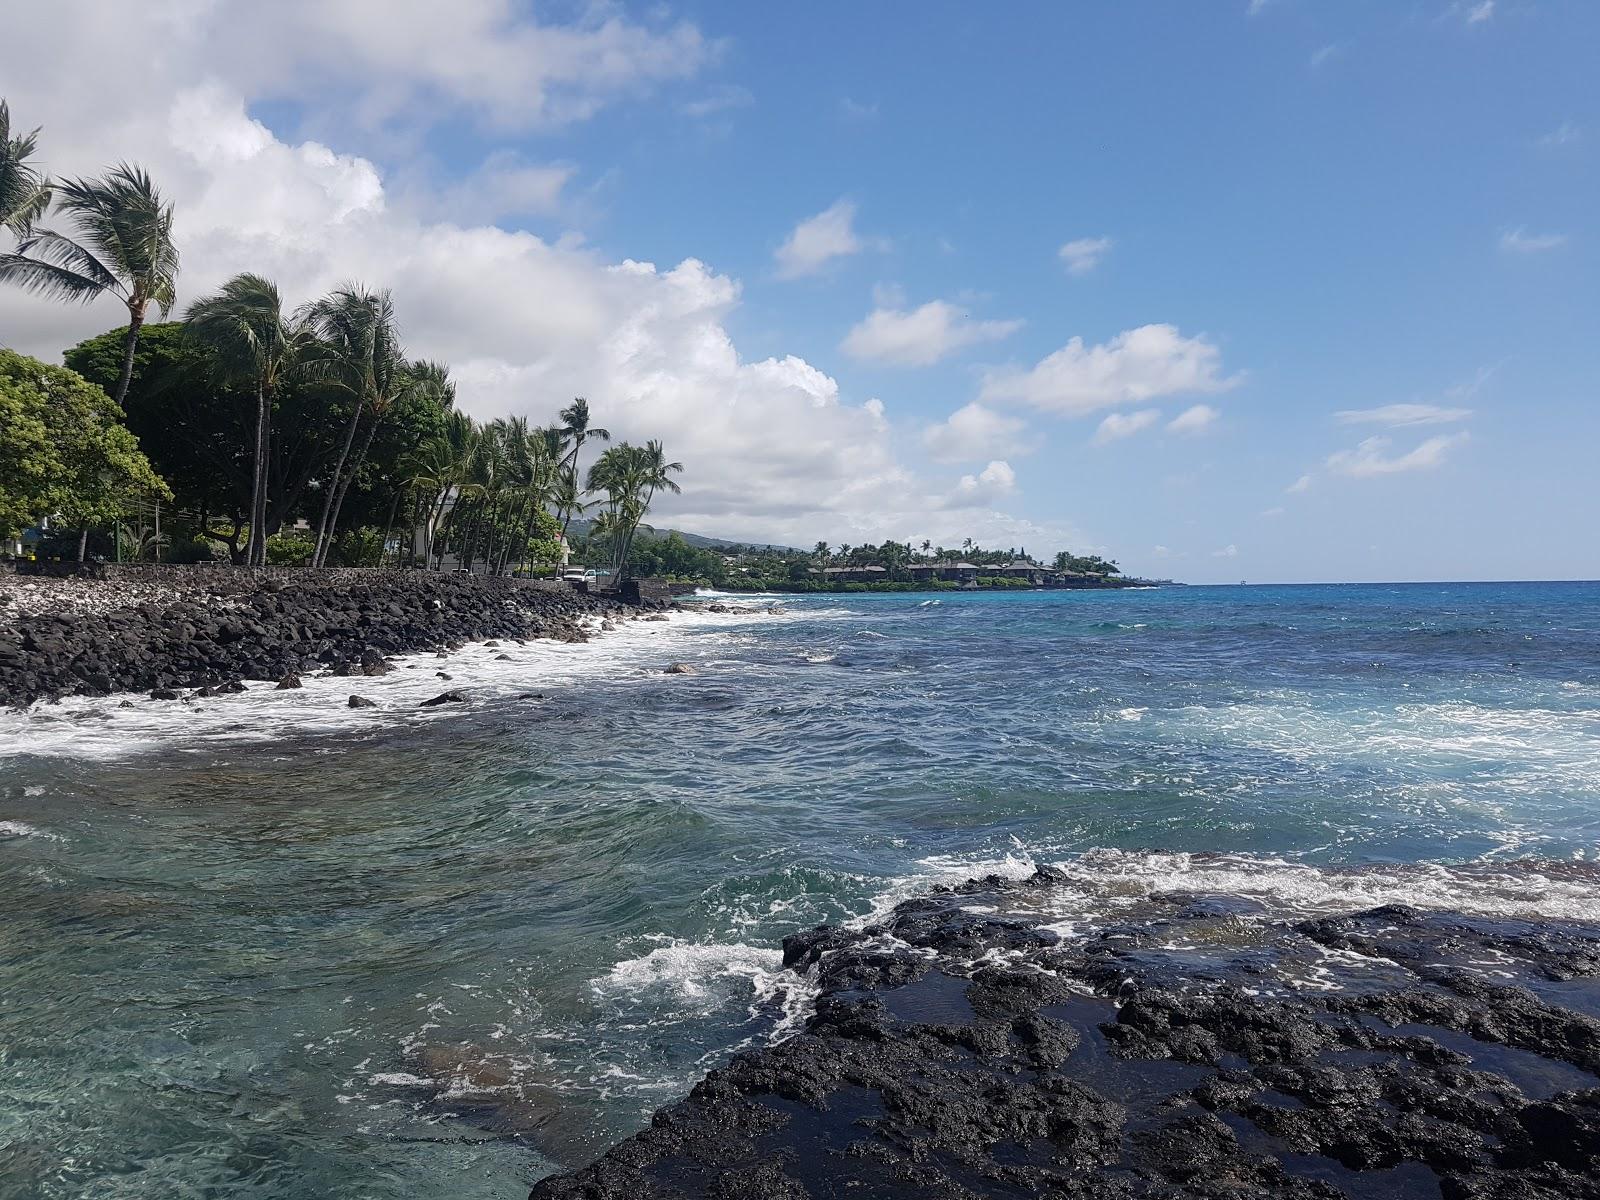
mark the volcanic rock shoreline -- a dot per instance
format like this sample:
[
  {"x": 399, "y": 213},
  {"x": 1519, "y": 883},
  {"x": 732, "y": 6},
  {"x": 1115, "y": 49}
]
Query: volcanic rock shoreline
[
  {"x": 213, "y": 629},
  {"x": 964, "y": 1047}
]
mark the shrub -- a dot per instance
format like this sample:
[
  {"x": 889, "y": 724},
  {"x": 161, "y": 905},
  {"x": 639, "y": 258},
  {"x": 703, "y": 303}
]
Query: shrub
[{"x": 288, "y": 550}]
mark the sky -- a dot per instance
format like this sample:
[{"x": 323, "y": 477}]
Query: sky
[{"x": 1273, "y": 290}]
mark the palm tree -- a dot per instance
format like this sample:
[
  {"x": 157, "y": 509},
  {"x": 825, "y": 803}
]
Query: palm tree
[
  {"x": 24, "y": 190},
  {"x": 575, "y": 425},
  {"x": 630, "y": 476},
  {"x": 250, "y": 342},
  {"x": 359, "y": 349},
  {"x": 124, "y": 247}
]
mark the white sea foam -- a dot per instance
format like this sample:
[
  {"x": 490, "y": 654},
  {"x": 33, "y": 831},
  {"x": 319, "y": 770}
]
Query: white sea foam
[
  {"x": 98, "y": 727},
  {"x": 691, "y": 972},
  {"x": 1101, "y": 881},
  {"x": 21, "y": 829}
]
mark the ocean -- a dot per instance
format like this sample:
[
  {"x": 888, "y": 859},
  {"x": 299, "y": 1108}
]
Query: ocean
[{"x": 269, "y": 946}]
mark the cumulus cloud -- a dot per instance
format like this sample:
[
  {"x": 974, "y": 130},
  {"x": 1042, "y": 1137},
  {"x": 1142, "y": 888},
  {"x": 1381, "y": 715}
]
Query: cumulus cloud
[
  {"x": 380, "y": 61},
  {"x": 1399, "y": 415},
  {"x": 1474, "y": 12},
  {"x": 973, "y": 433},
  {"x": 775, "y": 452},
  {"x": 1083, "y": 255},
  {"x": 922, "y": 336},
  {"x": 1117, "y": 426},
  {"x": 1372, "y": 456},
  {"x": 994, "y": 482},
  {"x": 819, "y": 240},
  {"x": 1228, "y": 551},
  {"x": 504, "y": 185},
  {"x": 1135, "y": 366},
  {"x": 1520, "y": 241},
  {"x": 1197, "y": 419},
  {"x": 1303, "y": 484}
]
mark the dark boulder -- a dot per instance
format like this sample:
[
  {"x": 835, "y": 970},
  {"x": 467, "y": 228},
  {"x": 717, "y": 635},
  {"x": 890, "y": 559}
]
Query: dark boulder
[
  {"x": 450, "y": 697},
  {"x": 362, "y": 702}
]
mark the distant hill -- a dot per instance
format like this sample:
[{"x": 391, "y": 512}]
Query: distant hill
[{"x": 580, "y": 528}]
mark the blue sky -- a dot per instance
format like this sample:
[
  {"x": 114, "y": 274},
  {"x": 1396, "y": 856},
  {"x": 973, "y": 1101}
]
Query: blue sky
[{"x": 1273, "y": 213}]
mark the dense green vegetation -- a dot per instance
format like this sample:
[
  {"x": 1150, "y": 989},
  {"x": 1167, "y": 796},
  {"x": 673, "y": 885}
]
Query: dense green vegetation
[{"x": 776, "y": 569}]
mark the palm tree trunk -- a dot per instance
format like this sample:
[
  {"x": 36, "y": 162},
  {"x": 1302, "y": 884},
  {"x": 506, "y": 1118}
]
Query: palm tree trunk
[
  {"x": 355, "y": 465},
  {"x": 258, "y": 478},
  {"x": 130, "y": 343},
  {"x": 260, "y": 519},
  {"x": 83, "y": 544},
  {"x": 338, "y": 470}
]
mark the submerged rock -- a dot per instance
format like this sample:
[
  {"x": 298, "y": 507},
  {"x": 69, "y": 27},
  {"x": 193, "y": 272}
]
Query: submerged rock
[
  {"x": 289, "y": 682},
  {"x": 679, "y": 669},
  {"x": 362, "y": 702},
  {"x": 1184, "y": 1047},
  {"x": 450, "y": 697}
]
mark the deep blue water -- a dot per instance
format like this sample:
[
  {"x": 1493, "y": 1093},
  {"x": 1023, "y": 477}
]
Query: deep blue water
[{"x": 246, "y": 943}]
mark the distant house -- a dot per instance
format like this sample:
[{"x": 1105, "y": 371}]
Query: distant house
[
  {"x": 1018, "y": 568},
  {"x": 854, "y": 574},
  {"x": 946, "y": 569}
]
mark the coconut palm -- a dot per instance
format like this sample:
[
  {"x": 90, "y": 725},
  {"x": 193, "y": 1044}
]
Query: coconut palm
[
  {"x": 251, "y": 343},
  {"x": 123, "y": 248},
  {"x": 630, "y": 476},
  {"x": 358, "y": 348},
  {"x": 24, "y": 189},
  {"x": 575, "y": 425}
]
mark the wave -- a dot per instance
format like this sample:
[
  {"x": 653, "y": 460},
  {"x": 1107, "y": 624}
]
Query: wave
[
  {"x": 1103, "y": 883},
  {"x": 111, "y": 727}
]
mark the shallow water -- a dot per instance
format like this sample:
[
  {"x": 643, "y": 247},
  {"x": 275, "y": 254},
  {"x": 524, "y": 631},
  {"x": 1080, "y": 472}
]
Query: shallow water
[{"x": 269, "y": 946}]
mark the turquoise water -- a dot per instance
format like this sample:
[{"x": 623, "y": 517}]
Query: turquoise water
[{"x": 270, "y": 947}]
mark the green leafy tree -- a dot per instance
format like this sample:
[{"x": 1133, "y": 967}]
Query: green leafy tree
[
  {"x": 24, "y": 189},
  {"x": 123, "y": 247},
  {"x": 95, "y": 469}
]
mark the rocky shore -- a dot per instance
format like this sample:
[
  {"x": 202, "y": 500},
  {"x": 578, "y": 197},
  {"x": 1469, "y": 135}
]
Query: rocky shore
[
  {"x": 987, "y": 1041},
  {"x": 218, "y": 628}
]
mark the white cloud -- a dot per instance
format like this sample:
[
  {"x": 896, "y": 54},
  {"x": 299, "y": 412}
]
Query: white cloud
[
  {"x": 1371, "y": 456},
  {"x": 1276, "y": 511},
  {"x": 922, "y": 336},
  {"x": 1160, "y": 551},
  {"x": 380, "y": 61},
  {"x": 1520, "y": 241},
  {"x": 773, "y": 450},
  {"x": 1135, "y": 366},
  {"x": 1322, "y": 54},
  {"x": 719, "y": 100},
  {"x": 1563, "y": 134},
  {"x": 973, "y": 433},
  {"x": 1475, "y": 12},
  {"x": 1228, "y": 551},
  {"x": 505, "y": 185},
  {"x": 819, "y": 240},
  {"x": 855, "y": 110},
  {"x": 994, "y": 482},
  {"x": 1303, "y": 484},
  {"x": 1196, "y": 419},
  {"x": 1083, "y": 255},
  {"x": 1256, "y": 6},
  {"x": 1117, "y": 426},
  {"x": 1399, "y": 415}
]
